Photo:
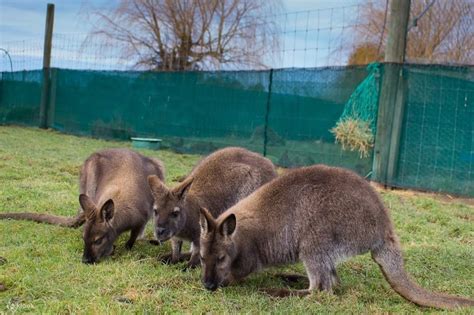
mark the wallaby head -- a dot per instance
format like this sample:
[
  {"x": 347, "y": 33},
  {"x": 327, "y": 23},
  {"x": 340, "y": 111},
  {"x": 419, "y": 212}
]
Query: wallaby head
[
  {"x": 99, "y": 234},
  {"x": 218, "y": 251},
  {"x": 169, "y": 207}
]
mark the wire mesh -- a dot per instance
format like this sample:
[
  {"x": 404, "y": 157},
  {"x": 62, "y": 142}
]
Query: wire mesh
[
  {"x": 437, "y": 143},
  {"x": 311, "y": 38}
]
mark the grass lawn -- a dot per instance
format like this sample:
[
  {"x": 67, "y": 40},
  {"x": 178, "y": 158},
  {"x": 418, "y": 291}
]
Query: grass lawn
[{"x": 42, "y": 270}]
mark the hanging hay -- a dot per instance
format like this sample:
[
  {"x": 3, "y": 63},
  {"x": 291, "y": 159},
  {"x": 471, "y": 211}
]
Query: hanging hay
[
  {"x": 355, "y": 128},
  {"x": 354, "y": 134}
]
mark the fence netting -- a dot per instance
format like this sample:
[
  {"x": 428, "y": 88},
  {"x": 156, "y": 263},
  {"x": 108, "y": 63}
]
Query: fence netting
[
  {"x": 437, "y": 141},
  {"x": 286, "y": 114},
  {"x": 20, "y": 94}
]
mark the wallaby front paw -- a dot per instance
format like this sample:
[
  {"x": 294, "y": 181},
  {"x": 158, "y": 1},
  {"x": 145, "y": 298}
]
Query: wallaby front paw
[{"x": 191, "y": 265}]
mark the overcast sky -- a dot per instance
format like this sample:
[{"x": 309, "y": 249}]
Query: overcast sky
[{"x": 22, "y": 29}]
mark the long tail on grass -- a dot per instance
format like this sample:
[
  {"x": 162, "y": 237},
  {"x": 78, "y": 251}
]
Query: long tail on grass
[
  {"x": 390, "y": 260},
  {"x": 71, "y": 222}
]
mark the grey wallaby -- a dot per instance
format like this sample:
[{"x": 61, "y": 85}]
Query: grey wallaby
[
  {"x": 320, "y": 215},
  {"x": 114, "y": 198},
  {"x": 219, "y": 181}
]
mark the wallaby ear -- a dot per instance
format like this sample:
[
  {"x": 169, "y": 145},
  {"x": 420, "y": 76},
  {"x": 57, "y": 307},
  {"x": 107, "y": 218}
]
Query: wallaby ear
[
  {"x": 206, "y": 221},
  {"x": 107, "y": 211},
  {"x": 183, "y": 188},
  {"x": 228, "y": 226},
  {"x": 158, "y": 189},
  {"x": 89, "y": 207}
]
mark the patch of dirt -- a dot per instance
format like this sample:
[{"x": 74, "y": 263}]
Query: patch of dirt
[
  {"x": 447, "y": 198},
  {"x": 123, "y": 299},
  {"x": 466, "y": 217},
  {"x": 2, "y": 287}
]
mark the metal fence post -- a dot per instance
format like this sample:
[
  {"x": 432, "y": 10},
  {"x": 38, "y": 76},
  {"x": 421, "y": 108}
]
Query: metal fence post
[
  {"x": 48, "y": 39},
  {"x": 267, "y": 113}
]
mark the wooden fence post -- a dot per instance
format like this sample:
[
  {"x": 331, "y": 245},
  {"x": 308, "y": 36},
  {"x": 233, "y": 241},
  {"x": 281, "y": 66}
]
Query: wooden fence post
[
  {"x": 392, "y": 99},
  {"x": 48, "y": 39},
  {"x": 52, "y": 97},
  {"x": 267, "y": 112}
]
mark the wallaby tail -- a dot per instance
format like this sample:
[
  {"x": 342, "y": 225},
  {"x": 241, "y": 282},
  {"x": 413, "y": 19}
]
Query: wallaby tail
[
  {"x": 390, "y": 261},
  {"x": 72, "y": 222}
]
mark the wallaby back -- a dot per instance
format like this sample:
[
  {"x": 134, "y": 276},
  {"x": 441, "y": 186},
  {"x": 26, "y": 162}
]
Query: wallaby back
[
  {"x": 321, "y": 215},
  {"x": 227, "y": 176}
]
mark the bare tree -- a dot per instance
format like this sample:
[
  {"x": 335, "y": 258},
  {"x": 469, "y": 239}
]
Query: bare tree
[
  {"x": 191, "y": 34},
  {"x": 443, "y": 34},
  {"x": 365, "y": 53}
]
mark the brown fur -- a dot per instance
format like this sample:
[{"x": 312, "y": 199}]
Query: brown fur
[
  {"x": 320, "y": 215},
  {"x": 217, "y": 182},
  {"x": 114, "y": 198}
]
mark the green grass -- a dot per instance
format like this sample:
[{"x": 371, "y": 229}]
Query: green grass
[{"x": 44, "y": 274}]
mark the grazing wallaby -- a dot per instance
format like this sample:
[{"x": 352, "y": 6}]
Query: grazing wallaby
[
  {"x": 320, "y": 215},
  {"x": 114, "y": 197},
  {"x": 217, "y": 182}
]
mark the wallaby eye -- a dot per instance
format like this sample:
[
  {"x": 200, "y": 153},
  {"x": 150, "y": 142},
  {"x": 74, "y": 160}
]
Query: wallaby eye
[
  {"x": 175, "y": 212},
  {"x": 221, "y": 258},
  {"x": 98, "y": 241}
]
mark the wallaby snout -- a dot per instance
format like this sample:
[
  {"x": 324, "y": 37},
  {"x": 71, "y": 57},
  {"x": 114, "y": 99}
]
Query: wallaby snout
[
  {"x": 88, "y": 260},
  {"x": 211, "y": 286},
  {"x": 162, "y": 233}
]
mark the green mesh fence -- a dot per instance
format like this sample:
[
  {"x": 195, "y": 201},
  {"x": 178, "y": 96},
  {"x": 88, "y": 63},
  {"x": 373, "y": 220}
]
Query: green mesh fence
[
  {"x": 305, "y": 105},
  {"x": 20, "y": 94},
  {"x": 193, "y": 112},
  {"x": 437, "y": 141},
  {"x": 198, "y": 112}
]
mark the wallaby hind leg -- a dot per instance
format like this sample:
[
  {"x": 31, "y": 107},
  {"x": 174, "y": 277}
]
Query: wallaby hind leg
[{"x": 321, "y": 273}]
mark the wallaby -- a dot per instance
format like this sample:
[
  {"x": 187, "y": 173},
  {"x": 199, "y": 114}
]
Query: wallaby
[
  {"x": 217, "y": 182},
  {"x": 320, "y": 215},
  {"x": 114, "y": 198}
]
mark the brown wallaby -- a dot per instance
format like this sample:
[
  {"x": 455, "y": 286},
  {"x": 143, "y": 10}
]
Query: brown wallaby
[
  {"x": 320, "y": 215},
  {"x": 114, "y": 198},
  {"x": 217, "y": 182}
]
